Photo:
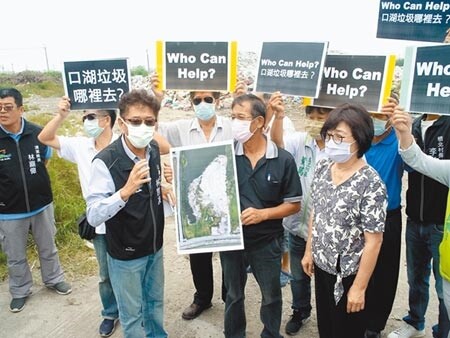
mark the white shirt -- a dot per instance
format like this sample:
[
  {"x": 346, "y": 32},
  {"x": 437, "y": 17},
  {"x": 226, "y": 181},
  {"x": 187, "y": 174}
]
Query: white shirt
[
  {"x": 81, "y": 150},
  {"x": 103, "y": 201}
]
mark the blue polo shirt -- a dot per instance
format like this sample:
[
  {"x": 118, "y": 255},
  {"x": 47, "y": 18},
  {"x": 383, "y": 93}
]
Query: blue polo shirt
[
  {"x": 273, "y": 181},
  {"x": 385, "y": 159}
]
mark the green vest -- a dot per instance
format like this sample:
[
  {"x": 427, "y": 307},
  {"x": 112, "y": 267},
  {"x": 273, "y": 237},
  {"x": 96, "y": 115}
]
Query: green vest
[{"x": 444, "y": 248}]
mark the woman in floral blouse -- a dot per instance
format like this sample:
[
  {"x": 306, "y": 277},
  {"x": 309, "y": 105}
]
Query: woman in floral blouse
[{"x": 346, "y": 228}]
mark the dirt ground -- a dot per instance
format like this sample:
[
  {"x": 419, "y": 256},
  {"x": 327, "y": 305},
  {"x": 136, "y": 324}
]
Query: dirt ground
[{"x": 78, "y": 314}]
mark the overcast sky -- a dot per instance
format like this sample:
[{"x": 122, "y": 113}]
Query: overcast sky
[{"x": 34, "y": 32}]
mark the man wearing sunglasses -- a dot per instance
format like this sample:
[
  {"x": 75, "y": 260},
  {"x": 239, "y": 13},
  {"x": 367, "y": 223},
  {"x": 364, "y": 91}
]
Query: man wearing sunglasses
[
  {"x": 26, "y": 202},
  {"x": 205, "y": 127}
]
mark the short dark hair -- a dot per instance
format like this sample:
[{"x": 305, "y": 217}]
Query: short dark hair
[
  {"x": 359, "y": 121},
  {"x": 112, "y": 113},
  {"x": 216, "y": 95},
  {"x": 257, "y": 106},
  {"x": 12, "y": 92},
  {"x": 322, "y": 110},
  {"x": 138, "y": 97}
]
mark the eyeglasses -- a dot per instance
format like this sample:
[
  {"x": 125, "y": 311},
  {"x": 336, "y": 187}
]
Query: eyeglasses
[
  {"x": 241, "y": 117},
  {"x": 91, "y": 117},
  {"x": 336, "y": 138},
  {"x": 7, "y": 107},
  {"x": 138, "y": 122},
  {"x": 197, "y": 100}
]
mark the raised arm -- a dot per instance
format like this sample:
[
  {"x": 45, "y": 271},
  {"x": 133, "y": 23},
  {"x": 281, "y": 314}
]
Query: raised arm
[
  {"x": 164, "y": 145},
  {"x": 156, "y": 87},
  {"x": 240, "y": 89},
  {"x": 411, "y": 153},
  {"x": 48, "y": 134},
  {"x": 402, "y": 123},
  {"x": 276, "y": 114}
]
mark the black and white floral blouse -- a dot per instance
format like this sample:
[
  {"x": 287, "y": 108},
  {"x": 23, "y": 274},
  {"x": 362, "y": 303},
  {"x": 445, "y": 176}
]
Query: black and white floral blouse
[{"x": 342, "y": 214}]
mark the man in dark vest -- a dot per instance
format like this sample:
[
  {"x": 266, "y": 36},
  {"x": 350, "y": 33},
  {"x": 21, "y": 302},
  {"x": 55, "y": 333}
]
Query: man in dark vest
[
  {"x": 125, "y": 193},
  {"x": 26, "y": 202}
]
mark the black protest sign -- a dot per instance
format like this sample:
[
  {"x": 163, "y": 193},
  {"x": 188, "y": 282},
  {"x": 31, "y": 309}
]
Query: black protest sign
[
  {"x": 426, "y": 80},
  {"x": 197, "y": 65},
  {"x": 419, "y": 20},
  {"x": 293, "y": 68},
  {"x": 361, "y": 79},
  {"x": 96, "y": 84}
]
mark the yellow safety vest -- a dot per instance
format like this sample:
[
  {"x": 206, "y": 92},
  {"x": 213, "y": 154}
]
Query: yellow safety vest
[{"x": 444, "y": 248}]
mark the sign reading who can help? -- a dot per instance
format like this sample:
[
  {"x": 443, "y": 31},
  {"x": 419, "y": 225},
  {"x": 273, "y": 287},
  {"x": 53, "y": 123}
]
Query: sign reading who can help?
[
  {"x": 197, "y": 65},
  {"x": 360, "y": 79},
  {"x": 426, "y": 80},
  {"x": 96, "y": 84}
]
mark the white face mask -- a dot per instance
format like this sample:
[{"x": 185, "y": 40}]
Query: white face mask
[
  {"x": 140, "y": 136},
  {"x": 205, "y": 111},
  {"x": 241, "y": 130},
  {"x": 379, "y": 126},
  {"x": 91, "y": 128},
  {"x": 339, "y": 153}
]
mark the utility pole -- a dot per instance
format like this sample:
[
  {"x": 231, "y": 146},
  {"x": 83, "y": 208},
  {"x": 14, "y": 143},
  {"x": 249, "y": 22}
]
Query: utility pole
[
  {"x": 46, "y": 58},
  {"x": 148, "y": 62}
]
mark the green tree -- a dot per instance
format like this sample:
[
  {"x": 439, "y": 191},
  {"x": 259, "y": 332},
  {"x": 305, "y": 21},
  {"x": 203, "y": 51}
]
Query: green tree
[{"x": 139, "y": 70}]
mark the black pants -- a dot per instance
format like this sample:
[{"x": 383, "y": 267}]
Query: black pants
[
  {"x": 333, "y": 320},
  {"x": 383, "y": 284},
  {"x": 202, "y": 274}
]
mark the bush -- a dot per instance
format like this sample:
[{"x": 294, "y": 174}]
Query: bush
[
  {"x": 46, "y": 84},
  {"x": 139, "y": 70}
]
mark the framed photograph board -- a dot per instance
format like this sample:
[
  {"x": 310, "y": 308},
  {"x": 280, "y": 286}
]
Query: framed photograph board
[{"x": 207, "y": 215}]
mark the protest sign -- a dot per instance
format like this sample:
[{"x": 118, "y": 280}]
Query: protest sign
[
  {"x": 197, "y": 65},
  {"x": 426, "y": 80},
  {"x": 361, "y": 79},
  {"x": 419, "y": 20},
  {"x": 96, "y": 84},
  {"x": 293, "y": 68}
]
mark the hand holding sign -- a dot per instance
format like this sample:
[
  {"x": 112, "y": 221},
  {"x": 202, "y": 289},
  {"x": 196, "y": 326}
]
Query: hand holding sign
[
  {"x": 155, "y": 86},
  {"x": 64, "y": 106}
]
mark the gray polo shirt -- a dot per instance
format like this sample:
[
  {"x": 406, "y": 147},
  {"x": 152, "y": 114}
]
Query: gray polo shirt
[{"x": 188, "y": 132}]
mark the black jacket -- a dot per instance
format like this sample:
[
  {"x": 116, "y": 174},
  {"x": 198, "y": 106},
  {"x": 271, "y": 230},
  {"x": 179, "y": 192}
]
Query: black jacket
[
  {"x": 426, "y": 198},
  {"x": 24, "y": 181},
  {"x": 136, "y": 230}
]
